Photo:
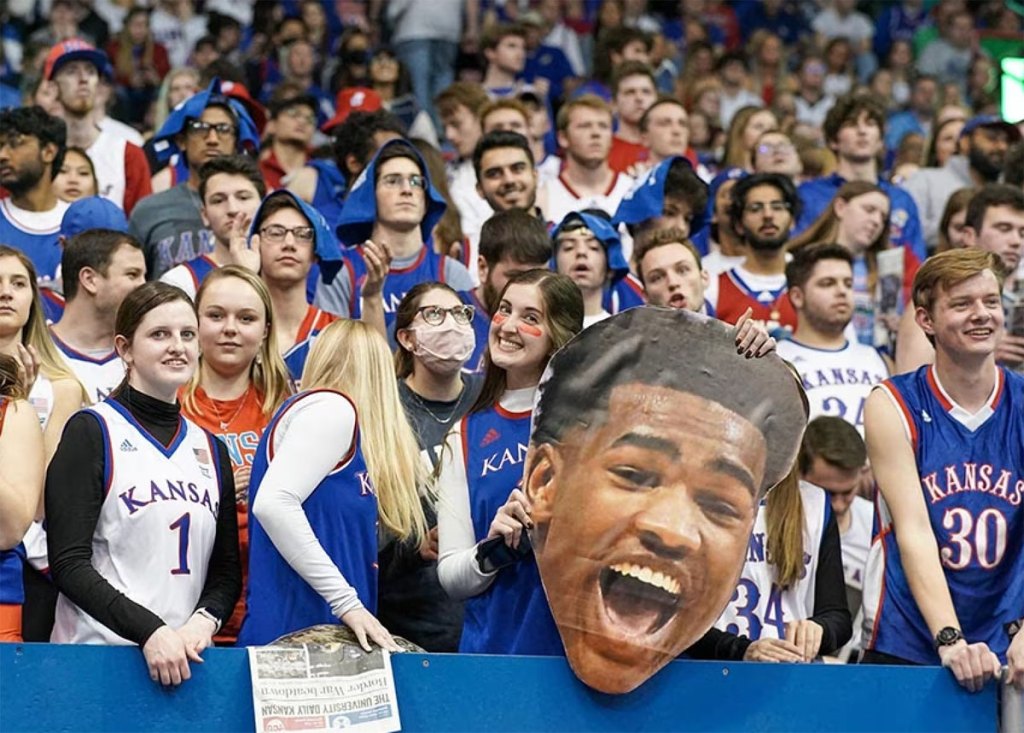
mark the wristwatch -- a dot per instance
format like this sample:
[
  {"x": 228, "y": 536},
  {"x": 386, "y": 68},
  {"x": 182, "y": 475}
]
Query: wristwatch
[
  {"x": 947, "y": 637},
  {"x": 205, "y": 613}
]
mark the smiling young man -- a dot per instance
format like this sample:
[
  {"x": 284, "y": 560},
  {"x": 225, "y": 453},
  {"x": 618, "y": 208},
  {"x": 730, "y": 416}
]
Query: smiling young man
[
  {"x": 945, "y": 447},
  {"x": 671, "y": 462},
  {"x": 838, "y": 373}
]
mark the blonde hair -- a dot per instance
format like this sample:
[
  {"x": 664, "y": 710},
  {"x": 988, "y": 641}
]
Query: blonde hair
[
  {"x": 353, "y": 358},
  {"x": 35, "y": 332},
  {"x": 584, "y": 101},
  {"x": 952, "y": 267},
  {"x": 267, "y": 372},
  {"x": 784, "y": 525}
]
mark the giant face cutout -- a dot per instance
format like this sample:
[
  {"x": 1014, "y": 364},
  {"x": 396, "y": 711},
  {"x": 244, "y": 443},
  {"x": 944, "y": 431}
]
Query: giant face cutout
[{"x": 653, "y": 442}]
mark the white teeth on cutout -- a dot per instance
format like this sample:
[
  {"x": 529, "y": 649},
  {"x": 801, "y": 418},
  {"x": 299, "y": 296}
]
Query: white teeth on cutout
[{"x": 646, "y": 575}]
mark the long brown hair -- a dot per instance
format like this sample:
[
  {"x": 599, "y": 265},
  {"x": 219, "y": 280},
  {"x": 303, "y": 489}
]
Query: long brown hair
[
  {"x": 138, "y": 303},
  {"x": 734, "y": 153},
  {"x": 563, "y": 316},
  {"x": 825, "y": 228}
]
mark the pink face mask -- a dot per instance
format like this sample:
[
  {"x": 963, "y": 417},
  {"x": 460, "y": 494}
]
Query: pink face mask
[{"x": 444, "y": 348}]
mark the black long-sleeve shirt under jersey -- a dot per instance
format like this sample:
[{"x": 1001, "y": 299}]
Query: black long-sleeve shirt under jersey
[
  {"x": 830, "y": 609},
  {"x": 74, "y": 498}
]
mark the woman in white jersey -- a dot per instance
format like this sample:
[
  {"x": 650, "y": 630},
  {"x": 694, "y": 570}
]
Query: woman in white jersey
[{"x": 140, "y": 502}]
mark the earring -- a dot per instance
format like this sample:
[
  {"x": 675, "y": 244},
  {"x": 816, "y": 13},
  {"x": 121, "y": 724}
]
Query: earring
[{"x": 259, "y": 358}]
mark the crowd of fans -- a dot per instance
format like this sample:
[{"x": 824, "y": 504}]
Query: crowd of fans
[{"x": 345, "y": 238}]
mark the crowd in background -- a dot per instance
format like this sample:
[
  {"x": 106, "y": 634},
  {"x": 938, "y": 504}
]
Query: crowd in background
[{"x": 345, "y": 237}]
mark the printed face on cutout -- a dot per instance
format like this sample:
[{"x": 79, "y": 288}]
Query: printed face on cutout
[{"x": 669, "y": 480}]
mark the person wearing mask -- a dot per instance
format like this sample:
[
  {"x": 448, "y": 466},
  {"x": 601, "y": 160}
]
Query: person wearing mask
[
  {"x": 435, "y": 338},
  {"x": 116, "y": 509},
  {"x": 169, "y": 224},
  {"x": 75, "y": 67},
  {"x": 240, "y": 383},
  {"x": 337, "y": 461},
  {"x": 854, "y": 129},
  {"x": 984, "y": 143}
]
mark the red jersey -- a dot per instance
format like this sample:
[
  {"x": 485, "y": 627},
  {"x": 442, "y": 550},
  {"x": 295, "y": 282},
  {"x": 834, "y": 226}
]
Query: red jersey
[
  {"x": 625, "y": 154},
  {"x": 771, "y": 307}
]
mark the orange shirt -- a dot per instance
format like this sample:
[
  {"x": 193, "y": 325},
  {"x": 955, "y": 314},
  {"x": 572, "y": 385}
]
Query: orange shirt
[{"x": 239, "y": 424}]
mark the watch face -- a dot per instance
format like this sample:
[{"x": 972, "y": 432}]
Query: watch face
[{"x": 948, "y": 635}]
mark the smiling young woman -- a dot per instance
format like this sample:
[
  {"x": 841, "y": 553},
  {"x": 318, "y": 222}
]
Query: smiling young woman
[
  {"x": 538, "y": 312},
  {"x": 139, "y": 502}
]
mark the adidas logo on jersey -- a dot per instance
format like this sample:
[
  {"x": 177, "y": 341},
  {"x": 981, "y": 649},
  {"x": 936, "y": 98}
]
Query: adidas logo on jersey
[
  {"x": 491, "y": 436},
  {"x": 127, "y": 447}
]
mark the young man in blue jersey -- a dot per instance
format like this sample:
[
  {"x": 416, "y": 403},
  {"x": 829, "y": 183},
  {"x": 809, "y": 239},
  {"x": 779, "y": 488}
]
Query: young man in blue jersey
[
  {"x": 391, "y": 204},
  {"x": 854, "y": 130},
  {"x": 511, "y": 242},
  {"x": 31, "y": 151},
  {"x": 945, "y": 443},
  {"x": 670, "y": 459},
  {"x": 231, "y": 189}
]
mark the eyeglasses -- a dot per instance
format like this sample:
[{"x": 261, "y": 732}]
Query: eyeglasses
[
  {"x": 434, "y": 314},
  {"x": 769, "y": 149},
  {"x": 202, "y": 129},
  {"x": 275, "y": 233},
  {"x": 758, "y": 207},
  {"x": 297, "y": 114},
  {"x": 397, "y": 180}
]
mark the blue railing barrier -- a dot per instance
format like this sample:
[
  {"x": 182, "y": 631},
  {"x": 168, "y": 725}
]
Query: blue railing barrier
[{"x": 46, "y": 687}]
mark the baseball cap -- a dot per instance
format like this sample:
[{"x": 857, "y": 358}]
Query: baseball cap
[
  {"x": 353, "y": 99},
  {"x": 991, "y": 121},
  {"x": 75, "y": 49},
  {"x": 92, "y": 212}
]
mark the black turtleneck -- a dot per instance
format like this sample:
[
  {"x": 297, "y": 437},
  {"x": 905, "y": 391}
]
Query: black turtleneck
[{"x": 74, "y": 499}]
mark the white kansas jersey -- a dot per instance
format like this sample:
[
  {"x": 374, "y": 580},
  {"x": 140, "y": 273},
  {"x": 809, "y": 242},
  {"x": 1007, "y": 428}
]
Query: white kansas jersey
[
  {"x": 157, "y": 525},
  {"x": 837, "y": 381},
  {"x": 760, "y": 609},
  {"x": 560, "y": 199},
  {"x": 100, "y": 374}
]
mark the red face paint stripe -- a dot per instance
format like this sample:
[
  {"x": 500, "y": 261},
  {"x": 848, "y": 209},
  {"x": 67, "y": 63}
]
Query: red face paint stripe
[{"x": 527, "y": 330}]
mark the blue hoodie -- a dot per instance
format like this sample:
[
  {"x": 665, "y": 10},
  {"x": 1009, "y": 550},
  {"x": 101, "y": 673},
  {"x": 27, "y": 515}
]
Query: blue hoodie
[
  {"x": 646, "y": 200},
  {"x": 164, "y": 142},
  {"x": 623, "y": 290},
  {"x": 358, "y": 214}
]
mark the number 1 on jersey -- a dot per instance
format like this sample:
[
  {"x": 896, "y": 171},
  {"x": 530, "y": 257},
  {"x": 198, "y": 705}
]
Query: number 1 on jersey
[{"x": 182, "y": 524}]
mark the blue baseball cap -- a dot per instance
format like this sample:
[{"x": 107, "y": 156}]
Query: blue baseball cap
[
  {"x": 93, "y": 212},
  {"x": 991, "y": 121}
]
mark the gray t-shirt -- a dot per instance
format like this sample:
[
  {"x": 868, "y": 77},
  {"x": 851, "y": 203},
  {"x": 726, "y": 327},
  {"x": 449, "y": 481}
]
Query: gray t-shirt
[
  {"x": 439, "y": 20},
  {"x": 170, "y": 228}
]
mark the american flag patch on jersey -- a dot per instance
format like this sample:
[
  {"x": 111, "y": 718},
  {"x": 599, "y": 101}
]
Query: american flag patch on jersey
[{"x": 202, "y": 455}]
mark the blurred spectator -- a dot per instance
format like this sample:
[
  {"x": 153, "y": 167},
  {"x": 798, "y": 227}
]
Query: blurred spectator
[
  {"x": 854, "y": 129},
  {"x": 178, "y": 85},
  {"x": 768, "y": 64},
  {"x": 140, "y": 64},
  {"x": 351, "y": 68},
  {"x": 774, "y": 152},
  {"x": 204, "y": 53},
  {"x": 75, "y": 67},
  {"x": 747, "y": 126},
  {"x": 984, "y": 142},
  {"x": 426, "y": 39},
  {"x": 897, "y": 22},
  {"x": 613, "y": 48},
  {"x": 176, "y": 26},
  {"x": 948, "y": 57},
  {"x": 298, "y": 67},
  {"x": 32, "y": 147},
  {"x": 839, "y": 67},
  {"x": 76, "y": 178},
  {"x": 504, "y": 49},
  {"x": 954, "y": 220},
  {"x": 62, "y": 25},
  {"x": 917, "y": 118},
  {"x": 944, "y": 144},
  {"x": 812, "y": 103},
  {"x": 779, "y": 17},
  {"x": 733, "y": 71},
  {"x": 981, "y": 85},
  {"x": 289, "y": 134},
  {"x": 900, "y": 63},
  {"x": 391, "y": 81},
  {"x": 545, "y": 62},
  {"x": 633, "y": 92},
  {"x": 908, "y": 159},
  {"x": 560, "y": 35},
  {"x": 840, "y": 19}
]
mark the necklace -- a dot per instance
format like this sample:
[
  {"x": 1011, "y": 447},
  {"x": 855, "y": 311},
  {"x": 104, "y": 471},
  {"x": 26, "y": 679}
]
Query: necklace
[
  {"x": 439, "y": 420},
  {"x": 224, "y": 424}
]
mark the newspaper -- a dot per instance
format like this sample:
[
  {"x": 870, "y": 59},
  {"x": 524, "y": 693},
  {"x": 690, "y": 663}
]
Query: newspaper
[
  {"x": 316, "y": 687},
  {"x": 888, "y": 294}
]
